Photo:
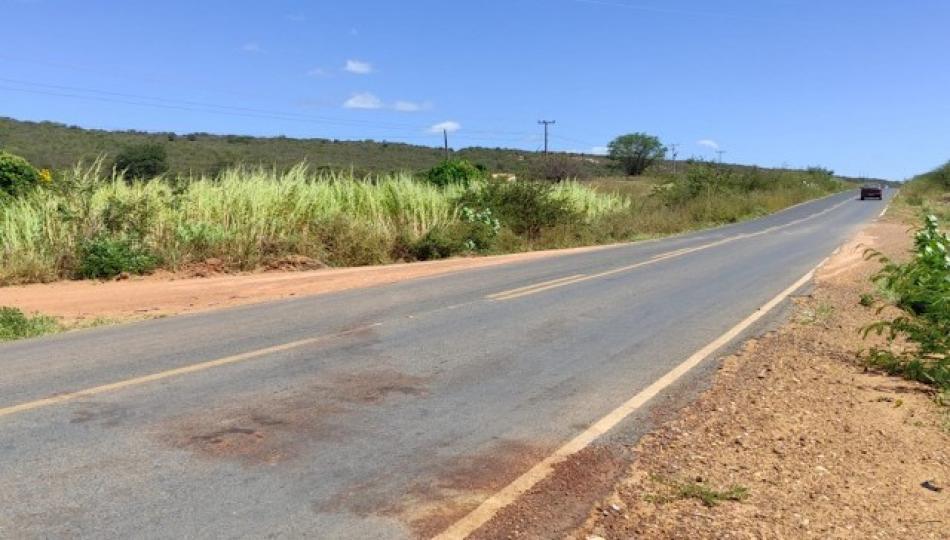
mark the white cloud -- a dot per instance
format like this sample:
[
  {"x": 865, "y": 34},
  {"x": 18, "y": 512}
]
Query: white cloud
[
  {"x": 708, "y": 143},
  {"x": 318, "y": 73},
  {"x": 251, "y": 47},
  {"x": 358, "y": 67},
  {"x": 363, "y": 100},
  {"x": 599, "y": 150},
  {"x": 448, "y": 125},
  {"x": 411, "y": 106}
]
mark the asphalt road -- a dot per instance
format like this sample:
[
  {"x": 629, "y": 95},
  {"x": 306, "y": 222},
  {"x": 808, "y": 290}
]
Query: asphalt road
[{"x": 371, "y": 413}]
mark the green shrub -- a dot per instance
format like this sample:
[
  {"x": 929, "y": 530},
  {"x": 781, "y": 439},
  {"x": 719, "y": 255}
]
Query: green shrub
[
  {"x": 17, "y": 176},
  {"x": 524, "y": 207},
  {"x": 106, "y": 256},
  {"x": 14, "y": 324},
  {"x": 921, "y": 290},
  {"x": 439, "y": 243},
  {"x": 455, "y": 171},
  {"x": 142, "y": 161},
  {"x": 482, "y": 227}
]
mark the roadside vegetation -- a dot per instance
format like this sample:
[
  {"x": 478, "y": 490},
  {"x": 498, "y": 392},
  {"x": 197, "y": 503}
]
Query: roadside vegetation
[
  {"x": 14, "y": 324},
  {"x": 927, "y": 194},
  {"x": 920, "y": 288},
  {"x": 918, "y": 338},
  {"x": 92, "y": 221},
  {"x": 671, "y": 490}
]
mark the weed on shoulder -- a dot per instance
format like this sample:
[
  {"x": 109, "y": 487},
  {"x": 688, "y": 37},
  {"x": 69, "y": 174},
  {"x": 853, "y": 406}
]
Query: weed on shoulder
[
  {"x": 673, "y": 490},
  {"x": 14, "y": 324}
]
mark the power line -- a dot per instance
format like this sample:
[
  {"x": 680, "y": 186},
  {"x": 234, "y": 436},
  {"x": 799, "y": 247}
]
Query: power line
[
  {"x": 546, "y": 123},
  {"x": 190, "y": 104}
]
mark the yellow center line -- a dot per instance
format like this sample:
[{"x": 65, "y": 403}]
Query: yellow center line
[
  {"x": 533, "y": 286},
  {"x": 192, "y": 368},
  {"x": 570, "y": 280}
]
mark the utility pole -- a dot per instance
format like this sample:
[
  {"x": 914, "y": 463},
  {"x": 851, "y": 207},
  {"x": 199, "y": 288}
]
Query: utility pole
[
  {"x": 720, "y": 152},
  {"x": 673, "y": 154},
  {"x": 445, "y": 139},
  {"x": 546, "y": 123}
]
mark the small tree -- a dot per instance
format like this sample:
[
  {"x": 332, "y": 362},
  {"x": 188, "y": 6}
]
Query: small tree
[
  {"x": 142, "y": 160},
  {"x": 17, "y": 176},
  {"x": 455, "y": 171},
  {"x": 634, "y": 152}
]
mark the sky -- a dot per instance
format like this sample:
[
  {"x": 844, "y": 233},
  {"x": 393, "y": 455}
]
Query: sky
[{"x": 858, "y": 86}]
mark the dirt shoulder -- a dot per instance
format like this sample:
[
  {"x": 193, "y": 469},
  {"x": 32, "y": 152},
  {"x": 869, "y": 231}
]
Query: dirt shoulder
[
  {"x": 168, "y": 294},
  {"x": 811, "y": 444}
]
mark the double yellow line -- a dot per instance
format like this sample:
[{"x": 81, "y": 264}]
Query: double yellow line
[
  {"x": 511, "y": 294},
  {"x": 578, "y": 278},
  {"x": 537, "y": 287}
]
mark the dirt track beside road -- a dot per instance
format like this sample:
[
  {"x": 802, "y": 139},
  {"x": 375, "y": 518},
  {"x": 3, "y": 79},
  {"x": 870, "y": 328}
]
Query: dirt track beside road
[{"x": 168, "y": 294}]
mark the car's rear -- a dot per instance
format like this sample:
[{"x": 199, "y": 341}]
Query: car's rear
[{"x": 872, "y": 191}]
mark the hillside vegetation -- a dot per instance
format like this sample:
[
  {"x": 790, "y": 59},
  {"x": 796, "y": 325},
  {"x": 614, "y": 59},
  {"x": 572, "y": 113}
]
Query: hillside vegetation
[
  {"x": 928, "y": 193},
  {"x": 57, "y": 146}
]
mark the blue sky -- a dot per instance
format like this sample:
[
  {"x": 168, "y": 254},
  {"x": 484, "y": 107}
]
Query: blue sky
[{"x": 860, "y": 86}]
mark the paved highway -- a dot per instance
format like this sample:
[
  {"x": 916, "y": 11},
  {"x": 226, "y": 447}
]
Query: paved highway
[{"x": 384, "y": 412}]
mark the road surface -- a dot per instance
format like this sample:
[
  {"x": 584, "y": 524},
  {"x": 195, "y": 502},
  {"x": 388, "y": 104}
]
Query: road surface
[{"x": 384, "y": 412}]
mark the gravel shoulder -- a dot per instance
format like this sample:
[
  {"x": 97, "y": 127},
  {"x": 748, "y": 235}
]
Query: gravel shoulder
[{"x": 809, "y": 443}]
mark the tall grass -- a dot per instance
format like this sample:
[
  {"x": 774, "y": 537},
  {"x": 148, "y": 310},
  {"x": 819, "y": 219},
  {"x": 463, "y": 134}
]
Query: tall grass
[
  {"x": 589, "y": 203},
  {"x": 708, "y": 196},
  {"x": 246, "y": 217},
  {"x": 93, "y": 223}
]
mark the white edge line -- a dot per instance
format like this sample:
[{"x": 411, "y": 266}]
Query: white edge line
[{"x": 488, "y": 508}]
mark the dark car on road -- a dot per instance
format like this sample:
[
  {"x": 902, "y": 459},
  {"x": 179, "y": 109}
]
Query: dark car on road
[{"x": 872, "y": 191}]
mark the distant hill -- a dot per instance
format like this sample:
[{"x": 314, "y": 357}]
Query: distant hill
[{"x": 55, "y": 146}]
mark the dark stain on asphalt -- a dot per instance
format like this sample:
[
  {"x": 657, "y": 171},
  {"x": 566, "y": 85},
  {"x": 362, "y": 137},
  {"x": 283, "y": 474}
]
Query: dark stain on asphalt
[
  {"x": 103, "y": 414},
  {"x": 251, "y": 437},
  {"x": 447, "y": 491},
  {"x": 562, "y": 500},
  {"x": 275, "y": 428},
  {"x": 373, "y": 386}
]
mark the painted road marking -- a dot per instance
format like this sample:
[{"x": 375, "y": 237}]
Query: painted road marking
[
  {"x": 533, "y": 286},
  {"x": 201, "y": 366},
  {"x": 570, "y": 280},
  {"x": 510, "y": 493}
]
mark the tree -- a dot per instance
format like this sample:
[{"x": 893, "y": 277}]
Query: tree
[
  {"x": 634, "y": 152},
  {"x": 142, "y": 161},
  {"x": 17, "y": 176},
  {"x": 455, "y": 171}
]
